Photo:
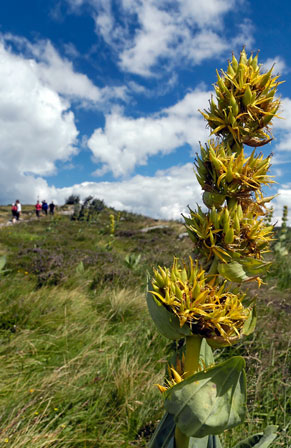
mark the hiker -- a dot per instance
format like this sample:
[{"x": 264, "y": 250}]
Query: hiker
[
  {"x": 44, "y": 207},
  {"x": 18, "y": 209},
  {"x": 37, "y": 208},
  {"x": 52, "y": 208},
  {"x": 13, "y": 211}
]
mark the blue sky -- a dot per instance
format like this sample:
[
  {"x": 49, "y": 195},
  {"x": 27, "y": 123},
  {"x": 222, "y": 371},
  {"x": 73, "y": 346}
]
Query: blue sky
[{"x": 101, "y": 97}]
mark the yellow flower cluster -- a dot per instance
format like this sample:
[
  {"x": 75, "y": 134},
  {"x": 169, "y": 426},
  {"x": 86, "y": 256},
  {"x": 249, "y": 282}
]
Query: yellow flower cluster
[
  {"x": 219, "y": 170},
  {"x": 246, "y": 102},
  {"x": 229, "y": 233},
  {"x": 209, "y": 309}
]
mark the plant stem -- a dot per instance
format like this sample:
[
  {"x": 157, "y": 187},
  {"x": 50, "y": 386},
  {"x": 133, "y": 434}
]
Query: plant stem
[
  {"x": 181, "y": 441},
  {"x": 193, "y": 345}
]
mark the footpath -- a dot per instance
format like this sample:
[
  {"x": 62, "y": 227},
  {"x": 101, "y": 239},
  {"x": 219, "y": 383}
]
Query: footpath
[{"x": 34, "y": 218}]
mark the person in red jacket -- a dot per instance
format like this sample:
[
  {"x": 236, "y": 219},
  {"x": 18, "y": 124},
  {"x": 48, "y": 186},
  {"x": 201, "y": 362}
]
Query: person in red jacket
[
  {"x": 37, "y": 208},
  {"x": 14, "y": 211}
]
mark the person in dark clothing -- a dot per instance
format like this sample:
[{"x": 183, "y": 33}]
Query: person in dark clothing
[
  {"x": 18, "y": 211},
  {"x": 52, "y": 208},
  {"x": 44, "y": 207}
]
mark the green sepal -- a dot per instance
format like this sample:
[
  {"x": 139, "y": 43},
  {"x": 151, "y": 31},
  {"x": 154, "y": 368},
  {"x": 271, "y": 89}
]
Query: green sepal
[
  {"x": 166, "y": 322},
  {"x": 211, "y": 401},
  {"x": 212, "y": 198},
  {"x": 220, "y": 342},
  {"x": 260, "y": 440}
]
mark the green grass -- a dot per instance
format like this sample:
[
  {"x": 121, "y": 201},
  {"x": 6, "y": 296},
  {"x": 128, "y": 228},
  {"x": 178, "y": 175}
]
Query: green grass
[
  {"x": 79, "y": 353},
  {"x": 70, "y": 375}
]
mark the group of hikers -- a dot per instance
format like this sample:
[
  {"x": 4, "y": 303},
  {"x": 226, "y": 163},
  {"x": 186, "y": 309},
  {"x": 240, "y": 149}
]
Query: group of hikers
[{"x": 43, "y": 207}]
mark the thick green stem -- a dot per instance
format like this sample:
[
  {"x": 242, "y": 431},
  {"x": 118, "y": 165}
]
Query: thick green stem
[
  {"x": 181, "y": 441},
  {"x": 193, "y": 345}
]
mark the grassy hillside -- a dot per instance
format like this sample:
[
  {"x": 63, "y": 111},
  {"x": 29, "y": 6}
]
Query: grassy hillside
[{"x": 79, "y": 353}]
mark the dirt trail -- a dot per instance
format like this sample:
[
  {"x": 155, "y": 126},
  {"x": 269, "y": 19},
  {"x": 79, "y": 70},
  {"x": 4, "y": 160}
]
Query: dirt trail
[{"x": 34, "y": 218}]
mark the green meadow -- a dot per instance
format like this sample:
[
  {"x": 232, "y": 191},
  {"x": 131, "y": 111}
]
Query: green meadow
[{"x": 79, "y": 354}]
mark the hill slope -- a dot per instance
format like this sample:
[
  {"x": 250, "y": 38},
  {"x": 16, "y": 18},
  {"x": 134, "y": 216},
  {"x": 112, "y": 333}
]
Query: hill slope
[{"x": 79, "y": 353}]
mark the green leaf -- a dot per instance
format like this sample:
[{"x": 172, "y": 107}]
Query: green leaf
[
  {"x": 164, "y": 434},
  {"x": 199, "y": 443},
  {"x": 205, "y": 442},
  {"x": 253, "y": 266},
  {"x": 282, "y": 237},
  {"x": 80, "y": 268},
  {"x": 2, "y": 262},
  {"x": 260, "y": 440},
  {"x": 250, "y": 323},
  {"x": 233, "y": 271},
  {"x": 211, "y": 401},
  {"x": 214, "y": 442},
  {"x": 132, "y": 260},
  {"x": 206, "y": 353},
  {"x": 166, "y": 322}
]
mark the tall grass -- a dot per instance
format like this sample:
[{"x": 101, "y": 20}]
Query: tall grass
[
  {"x": 79, "y": 358},
  {"x": 73, "y": 372}
]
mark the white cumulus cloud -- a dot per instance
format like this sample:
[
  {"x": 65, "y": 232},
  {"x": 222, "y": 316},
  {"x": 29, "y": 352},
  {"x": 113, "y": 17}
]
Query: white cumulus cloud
[
  {"x": 165, "y": 195},
  {"x": 126, "y": 142},
  {"x": 58, "y": 73},
  {"x": 36, "y": 126},
  {"x": 282, "y": 127},
  {"x": 283, "y": 198},
  {"x": 278, "y": 63},
  {"x": 148, "y": 32}
]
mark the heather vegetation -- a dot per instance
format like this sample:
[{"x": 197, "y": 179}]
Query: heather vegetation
[{"x": 79, "y": 352}]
